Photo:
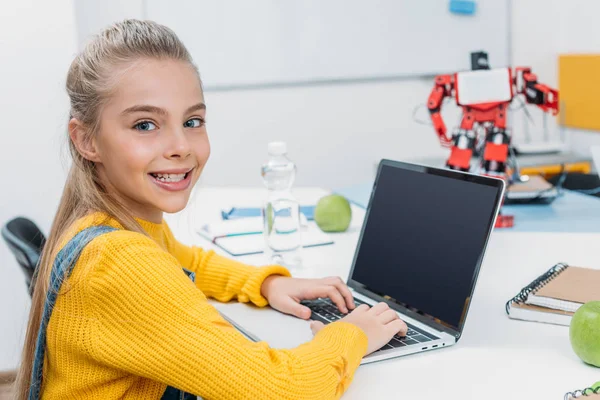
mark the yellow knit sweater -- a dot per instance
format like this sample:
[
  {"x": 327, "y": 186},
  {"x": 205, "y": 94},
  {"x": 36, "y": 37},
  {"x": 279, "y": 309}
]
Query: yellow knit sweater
[{"x": 129, "y": 322}]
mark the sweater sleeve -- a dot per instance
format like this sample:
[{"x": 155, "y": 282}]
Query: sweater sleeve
[
  {"x": 222, "y": 278},
  {"x": 151, "y": 321}
]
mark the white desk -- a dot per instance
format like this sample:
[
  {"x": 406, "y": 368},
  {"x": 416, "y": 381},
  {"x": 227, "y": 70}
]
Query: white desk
[{"x": 503, "y": 358}]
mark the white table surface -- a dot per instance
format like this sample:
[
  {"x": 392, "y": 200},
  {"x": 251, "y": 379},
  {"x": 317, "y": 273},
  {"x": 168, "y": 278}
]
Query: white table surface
[{"x": 496, "y": 358}]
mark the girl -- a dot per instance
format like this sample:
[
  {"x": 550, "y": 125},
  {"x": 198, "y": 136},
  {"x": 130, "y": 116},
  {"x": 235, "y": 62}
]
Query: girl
[{"x": 120, "y": 307}]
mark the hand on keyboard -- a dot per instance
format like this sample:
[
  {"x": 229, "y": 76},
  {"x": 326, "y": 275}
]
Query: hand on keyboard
[
  {"x": 380, "y": 323},
  {"x": 285, "y": 294}
]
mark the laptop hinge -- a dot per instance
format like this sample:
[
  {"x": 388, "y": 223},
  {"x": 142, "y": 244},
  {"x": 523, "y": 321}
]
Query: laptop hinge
[{"x": 414, "y": 315}]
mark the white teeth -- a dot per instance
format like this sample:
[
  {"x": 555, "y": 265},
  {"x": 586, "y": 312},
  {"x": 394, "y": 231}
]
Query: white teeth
[{"x": 169, "y": 177}]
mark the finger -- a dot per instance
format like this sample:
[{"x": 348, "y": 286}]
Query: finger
[
  {"x": 361, "y": 308},
  {"x": 398, "y": 327},
  {"x": 332, "y": 293},
  {"x": 290, "y": 306},
  {"x": 379, "y": 308},
  {"x": 387, "y": 316},
  {"x": 316, "y": 326},
  {"x": 343, "y": 289}
]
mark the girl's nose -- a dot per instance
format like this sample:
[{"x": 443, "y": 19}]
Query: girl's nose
[{"x": 179, "y": 146}]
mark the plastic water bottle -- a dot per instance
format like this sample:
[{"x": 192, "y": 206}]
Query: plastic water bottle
[{"x": 281, "y": 214}]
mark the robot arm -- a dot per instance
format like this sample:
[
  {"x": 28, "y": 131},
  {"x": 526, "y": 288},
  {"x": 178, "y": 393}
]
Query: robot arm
[
  {"x": 536, "y": 93},
  {"x": 444, "y": 85}
]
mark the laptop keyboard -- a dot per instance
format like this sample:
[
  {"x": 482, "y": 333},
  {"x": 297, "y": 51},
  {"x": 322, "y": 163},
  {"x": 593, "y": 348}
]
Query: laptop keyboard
[{"x": 325, "y": 311}]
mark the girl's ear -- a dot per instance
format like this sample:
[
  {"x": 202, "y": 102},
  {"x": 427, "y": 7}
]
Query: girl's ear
[{"x": 85, "y": 146}]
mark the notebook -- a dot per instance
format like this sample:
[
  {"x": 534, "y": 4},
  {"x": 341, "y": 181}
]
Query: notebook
[
  {"x": 243, "y": 236},
  {"x": 555, "y": 296},
  {"x": 592, "y": 393}
]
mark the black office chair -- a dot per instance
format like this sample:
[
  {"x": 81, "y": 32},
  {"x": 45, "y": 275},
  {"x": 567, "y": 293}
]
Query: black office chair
[{"x": 26, "y": 241}]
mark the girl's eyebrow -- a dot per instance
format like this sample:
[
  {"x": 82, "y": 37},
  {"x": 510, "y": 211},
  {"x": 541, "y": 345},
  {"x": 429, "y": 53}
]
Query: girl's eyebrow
[
  {"x": 196, "y": 107},
  {"x": 145, "y": 108},
  {"x": 160, "y": 111}
]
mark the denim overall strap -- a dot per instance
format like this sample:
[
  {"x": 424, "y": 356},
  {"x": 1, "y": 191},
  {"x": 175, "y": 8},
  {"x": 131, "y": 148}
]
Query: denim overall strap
[
  {"x": 175, "y": 394},
  {"x": 61, "y": 269}
]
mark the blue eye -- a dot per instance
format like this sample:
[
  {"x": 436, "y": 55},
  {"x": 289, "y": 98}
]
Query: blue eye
[
  {"x": 194, "y": 123},
  {"x": 145, "y": 126}
]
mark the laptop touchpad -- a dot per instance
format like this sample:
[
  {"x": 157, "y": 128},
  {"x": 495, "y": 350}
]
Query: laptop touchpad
[{"x": 265, "y": 324}]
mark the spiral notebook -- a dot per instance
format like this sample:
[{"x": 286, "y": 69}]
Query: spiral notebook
[
  {"x": 588, "y": 393},
  {"x": 555, "y": 295}
]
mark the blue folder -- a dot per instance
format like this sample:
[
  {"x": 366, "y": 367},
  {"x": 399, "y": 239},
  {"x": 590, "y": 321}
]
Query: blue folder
[
  {"x": 570, "y": 212},
  {"x": 244, "y": 212}
]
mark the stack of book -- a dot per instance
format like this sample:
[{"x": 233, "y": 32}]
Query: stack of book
[{"x": 555, "y": 296}]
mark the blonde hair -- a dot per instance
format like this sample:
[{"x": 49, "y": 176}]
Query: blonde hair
[{"x": 90, "y": 82}]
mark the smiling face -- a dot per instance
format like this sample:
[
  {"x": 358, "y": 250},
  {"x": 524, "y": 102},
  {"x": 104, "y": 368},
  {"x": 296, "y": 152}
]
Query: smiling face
[{"x": 152, "y": 144}]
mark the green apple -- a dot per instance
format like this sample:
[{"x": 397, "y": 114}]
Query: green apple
[
  {"x": 584, "y": 333},
  {"x": 333, "y": 213}
]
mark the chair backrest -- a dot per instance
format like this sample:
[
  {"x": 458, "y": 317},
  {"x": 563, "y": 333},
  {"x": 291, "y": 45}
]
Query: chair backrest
[{"x": 26, "y": 241}]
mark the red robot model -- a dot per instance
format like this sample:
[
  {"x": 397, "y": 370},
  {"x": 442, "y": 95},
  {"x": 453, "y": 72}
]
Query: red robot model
[{"x": 484, "y": 95}]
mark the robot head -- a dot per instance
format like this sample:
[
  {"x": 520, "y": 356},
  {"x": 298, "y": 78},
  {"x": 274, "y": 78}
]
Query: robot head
[{"x": 479, "y": 60}]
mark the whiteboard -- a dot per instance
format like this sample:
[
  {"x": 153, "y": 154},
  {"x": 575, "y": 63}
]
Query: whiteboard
[{"x": 238, "y": 43}]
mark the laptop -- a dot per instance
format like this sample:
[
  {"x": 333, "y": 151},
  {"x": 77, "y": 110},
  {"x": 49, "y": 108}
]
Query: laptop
[{"x": 420, "y": 250}]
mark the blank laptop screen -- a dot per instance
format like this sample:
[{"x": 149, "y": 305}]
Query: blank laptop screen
[{"x": 423, "y": 240}]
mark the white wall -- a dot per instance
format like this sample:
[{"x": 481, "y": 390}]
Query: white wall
[
  {"x": 543, "y": 29},
  {"x": 92, "y": 16},
  {"x": 334, "y": 133},
  {"x": 37, "y": 43}
]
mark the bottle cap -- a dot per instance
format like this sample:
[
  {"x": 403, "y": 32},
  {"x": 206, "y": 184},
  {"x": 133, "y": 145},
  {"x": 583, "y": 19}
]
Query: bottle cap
[{"x": 277, "y": 148}]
